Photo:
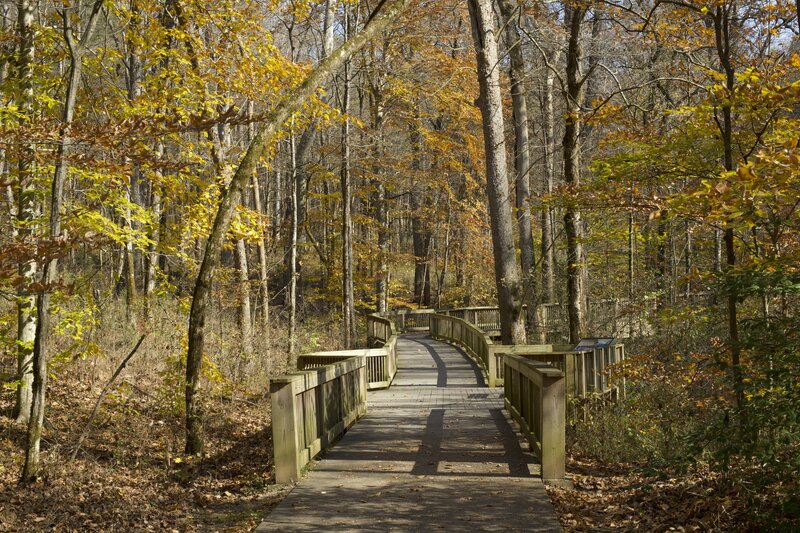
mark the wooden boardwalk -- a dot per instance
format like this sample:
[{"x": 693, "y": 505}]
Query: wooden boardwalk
[{"x": 435, "y": 452}]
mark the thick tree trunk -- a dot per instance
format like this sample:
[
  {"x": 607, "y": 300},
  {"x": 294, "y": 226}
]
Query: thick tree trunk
[
  {"x": 573, "y": 225},
  {"x": 507, "y": 277},
  {"x": 522, "y": 165}
]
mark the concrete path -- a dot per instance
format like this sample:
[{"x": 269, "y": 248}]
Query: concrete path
[{"x": 435, "y": 452}]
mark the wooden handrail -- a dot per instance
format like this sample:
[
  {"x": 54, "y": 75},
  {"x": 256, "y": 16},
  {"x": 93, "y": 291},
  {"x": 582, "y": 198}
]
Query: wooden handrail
[
  {"x": 606, "y": 317},
  {"x": 585, "y": 370},
  {"x": 311, "y": 409},
  {"x": 534, "y": 396},
  {"x": 472, "y": 339}
]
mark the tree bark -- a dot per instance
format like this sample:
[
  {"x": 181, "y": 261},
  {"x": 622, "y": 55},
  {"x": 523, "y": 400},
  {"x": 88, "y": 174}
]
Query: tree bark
[
  {"x": 548, "y": 242},
  {"x": 573, "y": 225},
  {"x": 292, "y": 102},
  {"x": 348, "y": 297},
  {"x": 244, "y": 315},
  {"x": 294, "y": 203},
  {"x": 155, "y": 238},
  {"x": 522, "y": 165},
  {"x": 26, "y": 214},
  {"x": 507, "y": 277},
  {"x": 722, "y": 30}
]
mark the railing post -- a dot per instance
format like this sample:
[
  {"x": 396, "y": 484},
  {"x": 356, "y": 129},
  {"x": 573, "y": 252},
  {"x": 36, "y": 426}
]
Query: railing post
[
  {"x": 553, "y": 431},
  {"x": 491, "y": 365},
  {"x": 284, "y": 432}
]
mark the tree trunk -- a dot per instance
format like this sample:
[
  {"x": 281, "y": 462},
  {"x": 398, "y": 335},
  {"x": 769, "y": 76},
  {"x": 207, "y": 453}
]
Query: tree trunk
[
  {"x": 380, "y": 205},
  {"x": 722, "y": 30},
  {"x": 573, "y": 225},
  {"x": 522, "y": 165},
  {"x": 548, "y": 242},
  {"x": 507, "y": 277},
  {"x": 244, "y": 315},
  {"x": 155, "y": 238},
  {"x": 230, "y": 198},
  {"x": 348, "y": 303},
  {"x": 294, "y": 202},
  {"x": 420, "y": 233},
  {"x": 263, "y": 271},
  {"x": 26, "y": 214}
]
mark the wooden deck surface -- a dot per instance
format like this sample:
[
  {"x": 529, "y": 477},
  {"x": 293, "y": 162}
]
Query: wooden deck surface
[{"x": 436, "y": 451}]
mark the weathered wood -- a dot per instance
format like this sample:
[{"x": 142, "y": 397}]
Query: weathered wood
[
  {"x": 381, "y": 357},
  {"x": 535, "y": 397},
  {"x": 586, "y": 371},
  {"x": 311, "y": 409}
]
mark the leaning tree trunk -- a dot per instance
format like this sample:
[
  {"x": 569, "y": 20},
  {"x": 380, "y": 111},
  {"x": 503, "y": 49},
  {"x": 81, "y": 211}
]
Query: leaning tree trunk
[
  {"x": 507, "y": 277},
  {"x": 230, "y": 198}
]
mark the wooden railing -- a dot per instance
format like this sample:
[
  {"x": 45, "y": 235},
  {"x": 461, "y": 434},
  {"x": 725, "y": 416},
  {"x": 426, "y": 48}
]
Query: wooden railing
[
  {"x": 311, "y": 409},
  {"x": 473, "y": 340},
  {"x": 604, "y": 317},
  {"x": 379, "y": 330},
  {"x": 411, "y": 319},
  {"x": 535, "y": 397},
  {"x": 381, "y": 363},
  {"x": 486, "y": 318},
  {"x": 586, "y": 371}
]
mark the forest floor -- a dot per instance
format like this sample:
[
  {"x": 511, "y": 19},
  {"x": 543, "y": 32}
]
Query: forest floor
[
  {"x": 130, "y": 473},
  {"x": 627, "y": 498}
]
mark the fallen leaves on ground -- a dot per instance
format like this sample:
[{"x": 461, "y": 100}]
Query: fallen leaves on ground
[
  {"x": 620, "y": 497},
  {"x": 131, "y": 475}
]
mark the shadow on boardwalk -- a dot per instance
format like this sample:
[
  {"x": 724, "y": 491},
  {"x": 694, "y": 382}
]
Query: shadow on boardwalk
[{"x": 435, "y": 451}]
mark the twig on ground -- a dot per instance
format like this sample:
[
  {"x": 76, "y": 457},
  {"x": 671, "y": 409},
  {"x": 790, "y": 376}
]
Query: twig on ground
[{"x": 102, "y": 395}]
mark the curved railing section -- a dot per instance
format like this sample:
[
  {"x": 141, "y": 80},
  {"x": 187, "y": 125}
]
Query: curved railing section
[
  {"x": 586, "y": 369},
  {"x": 617, "y": 318},
  {"x": 471, "y": 339}
]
